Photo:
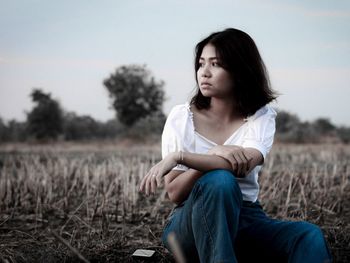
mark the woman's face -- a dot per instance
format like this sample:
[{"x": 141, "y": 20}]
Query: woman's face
[{"x": 213, "y": 79}]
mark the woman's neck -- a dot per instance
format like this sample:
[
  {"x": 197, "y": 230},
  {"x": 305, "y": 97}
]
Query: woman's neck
[{"x": 223, "y": 110}]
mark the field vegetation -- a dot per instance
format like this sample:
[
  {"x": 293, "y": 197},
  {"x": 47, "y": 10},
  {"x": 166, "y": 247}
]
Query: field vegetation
[{"x": 74, "y": 202}]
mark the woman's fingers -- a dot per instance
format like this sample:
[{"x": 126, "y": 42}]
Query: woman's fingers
[
  {"x": 237, "y": 156},
  {"x": 240, "y": 162},
  {"x": 150, "y": 182},
  {"x": 248, "y": 161},
  {"x": 153, "y": 183},
  {"x": 230, "y": 157},
  {"x": 143, "y": 183},
  {"x": 159, "y": 180},
  {"x": 148, "y": 185},
  {"x": 154, "y": 177},
  {"x": 244, "y": 163}
]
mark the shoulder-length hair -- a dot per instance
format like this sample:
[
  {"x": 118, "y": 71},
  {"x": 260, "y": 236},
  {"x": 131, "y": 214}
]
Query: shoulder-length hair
[{"x": 240, "y": 57}]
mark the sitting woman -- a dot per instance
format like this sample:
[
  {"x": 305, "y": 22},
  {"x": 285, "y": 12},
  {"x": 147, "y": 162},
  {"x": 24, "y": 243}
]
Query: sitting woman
[{"x": 213, "y": 149}]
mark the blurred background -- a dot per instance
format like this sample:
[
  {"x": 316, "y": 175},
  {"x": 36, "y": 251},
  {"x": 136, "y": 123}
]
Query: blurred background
[{"x": 78, "y": 63}]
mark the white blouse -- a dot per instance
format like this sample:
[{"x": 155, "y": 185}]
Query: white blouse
[{"x": 257, "y": 132}]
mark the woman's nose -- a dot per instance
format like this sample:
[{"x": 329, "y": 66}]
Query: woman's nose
[{"x": 205, "y": 71}]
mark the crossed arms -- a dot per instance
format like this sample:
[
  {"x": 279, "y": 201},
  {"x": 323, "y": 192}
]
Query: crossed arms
[{"x": 178, "y": 184}]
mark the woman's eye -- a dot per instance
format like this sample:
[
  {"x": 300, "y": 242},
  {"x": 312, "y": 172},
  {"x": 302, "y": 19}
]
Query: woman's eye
[{"x": 214, "y": 64}]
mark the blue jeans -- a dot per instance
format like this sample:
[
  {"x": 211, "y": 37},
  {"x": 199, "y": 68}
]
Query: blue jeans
[{"x": 215, "y": 225}]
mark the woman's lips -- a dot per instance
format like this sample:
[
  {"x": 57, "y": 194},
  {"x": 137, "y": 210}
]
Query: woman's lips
[{"x": 205, "y": 85}]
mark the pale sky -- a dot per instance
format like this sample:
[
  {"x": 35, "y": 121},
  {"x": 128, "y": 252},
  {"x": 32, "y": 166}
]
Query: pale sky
[{"x": 69, "y": 47}]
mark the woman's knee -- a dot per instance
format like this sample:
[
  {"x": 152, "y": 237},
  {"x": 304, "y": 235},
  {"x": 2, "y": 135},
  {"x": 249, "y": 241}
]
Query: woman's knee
[
  {"x": 310, "y": 241},
  {"x": 220, "y": 180},
  {"x": 310, "y": 235},
  {"x": 309, "y": 229}
]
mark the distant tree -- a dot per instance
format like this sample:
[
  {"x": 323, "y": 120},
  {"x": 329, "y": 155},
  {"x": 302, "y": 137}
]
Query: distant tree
[
  {"x": 305, "y": 132},
  {"x": 80, "y": 127},
  {"x": 45, "y": 121},
  {"x": 111, "y": 129},
  {"x": 16, "y": 131},
  {"x": 135, "y": 93},
  {"x": 290, "y": 129},
  {"x": 286, "y": 122},
  {"x": 324, "y": 126},
  {"x": 3, "y": 131},
  {"x": 151, "y": 127},
  {"x": 344, "y": 134}
]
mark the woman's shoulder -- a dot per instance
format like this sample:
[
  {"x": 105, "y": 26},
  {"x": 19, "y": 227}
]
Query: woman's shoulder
[
  {"x": 266, "y": 111},
  {"x": 179, "y": 111},
  {"x": 180, "y": 123}
]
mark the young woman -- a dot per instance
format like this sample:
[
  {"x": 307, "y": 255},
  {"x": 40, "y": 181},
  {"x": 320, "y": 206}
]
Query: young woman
[{"x": 213, "y": 149}]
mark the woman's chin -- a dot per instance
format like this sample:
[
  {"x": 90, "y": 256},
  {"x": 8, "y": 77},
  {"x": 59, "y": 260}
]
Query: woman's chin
[{"x": 207, "y": 93}]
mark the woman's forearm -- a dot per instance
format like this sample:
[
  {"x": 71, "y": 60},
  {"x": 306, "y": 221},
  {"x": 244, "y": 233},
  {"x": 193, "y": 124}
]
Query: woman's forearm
[
  {"x": 198, "y": 162},
  {"x": 203, "y": 162},
  {"x": 179, "y": 184}
]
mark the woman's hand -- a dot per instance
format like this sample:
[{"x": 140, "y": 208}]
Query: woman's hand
[
  {"x": 154, "y": 177},
  {"x": 235, "y": 155}
]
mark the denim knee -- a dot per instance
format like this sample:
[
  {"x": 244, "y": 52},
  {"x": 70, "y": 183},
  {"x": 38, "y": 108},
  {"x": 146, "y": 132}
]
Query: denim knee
[
  {"x": 309, "y": 236},
  {"x": 220, "y": 180},
  {"x": 309, "y": 230},
  {"x": 310, "y": 240}
]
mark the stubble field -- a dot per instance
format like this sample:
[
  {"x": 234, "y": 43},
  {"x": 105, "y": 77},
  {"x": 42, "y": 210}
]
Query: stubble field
[{"x": 70, "y": 202}]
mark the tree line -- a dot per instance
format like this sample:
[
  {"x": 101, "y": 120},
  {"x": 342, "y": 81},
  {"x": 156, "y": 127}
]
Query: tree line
[
  {"x": 137, "y": 98},
  {"x": 289, "y": 128}
]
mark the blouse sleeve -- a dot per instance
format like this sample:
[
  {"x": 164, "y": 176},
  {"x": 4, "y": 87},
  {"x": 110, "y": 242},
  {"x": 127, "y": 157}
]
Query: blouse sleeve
[
  {"x": 171, "y": 138},
  {"x": 261, "y": 132}
]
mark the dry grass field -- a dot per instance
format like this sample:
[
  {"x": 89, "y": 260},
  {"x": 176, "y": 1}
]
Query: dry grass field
[{"x": 69, "y": 202}]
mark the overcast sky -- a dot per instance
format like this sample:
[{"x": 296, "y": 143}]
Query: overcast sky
[{"x": 69, "y": 47}]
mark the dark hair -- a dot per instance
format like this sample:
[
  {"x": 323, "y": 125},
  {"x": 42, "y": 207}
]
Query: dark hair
[{"x": 240, "y": 57}]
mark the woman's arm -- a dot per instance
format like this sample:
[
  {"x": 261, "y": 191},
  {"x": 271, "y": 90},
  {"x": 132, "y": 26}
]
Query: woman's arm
[
  {"x": 179, "y": 184},
  {"x": 200, "y": 162},
  {"x": 203, "y": 162},
  {"x": 243, "y": 160}
]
